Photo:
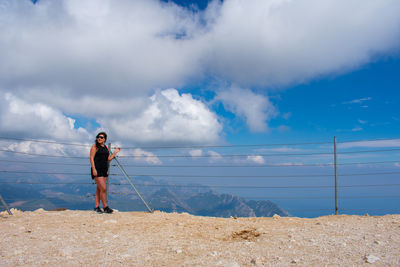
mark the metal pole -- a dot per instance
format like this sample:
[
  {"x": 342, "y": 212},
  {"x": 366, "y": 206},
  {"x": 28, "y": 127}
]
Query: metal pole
[
  {"x": 336, "y": 181},
  {"x": 133, "y": 185},
  {"x": 108, "y": 174},
  {"x": 5, "y": 205}
]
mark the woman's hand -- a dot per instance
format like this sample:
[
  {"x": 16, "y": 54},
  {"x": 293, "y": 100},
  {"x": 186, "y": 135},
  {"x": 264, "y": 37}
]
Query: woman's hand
[
  {"x": 118, "y": 149},
  {"x": 94, "y": 172}
]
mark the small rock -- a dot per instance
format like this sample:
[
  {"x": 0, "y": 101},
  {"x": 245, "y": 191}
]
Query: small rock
[
  {"x": 371, "y": 259},
  {"x": 213, "y": 253},
  {"x": 179, "y": 251},
  {"x": 276, "y": 216},
  {"x": 258, "y": 261}
]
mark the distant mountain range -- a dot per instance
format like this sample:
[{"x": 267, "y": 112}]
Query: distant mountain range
[{"x": 161, "y": 195}]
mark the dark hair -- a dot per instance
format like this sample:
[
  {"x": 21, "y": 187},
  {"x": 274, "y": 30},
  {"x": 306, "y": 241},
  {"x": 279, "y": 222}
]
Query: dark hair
[{"x": 105, "y": 138}]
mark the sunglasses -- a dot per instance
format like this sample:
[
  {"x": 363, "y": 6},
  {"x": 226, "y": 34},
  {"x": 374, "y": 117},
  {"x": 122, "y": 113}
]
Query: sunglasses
[{"x": 101, "y": 137}]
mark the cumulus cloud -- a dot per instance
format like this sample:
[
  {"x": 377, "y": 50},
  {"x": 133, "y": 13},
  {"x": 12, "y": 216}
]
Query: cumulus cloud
[
  {"x": 55, "y": 150},
  {"x": 256, "y": 109},
  {"x": 18, "y": 117},
  {"x": 146, "y": 156},
  {"x": 90, "y": 46},
  {"x": 164, "y": 117},
  {"x": 138, "y": 45},
  {"x": 282, "y": 42},
  {"x": 168, "y": 117}
]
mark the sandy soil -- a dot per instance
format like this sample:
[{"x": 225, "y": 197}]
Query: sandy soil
[{"x": 76, "y": 238}]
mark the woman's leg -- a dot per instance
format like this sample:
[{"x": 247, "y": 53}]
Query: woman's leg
[
  {"x": 101, "y": 188},
  {"x": 97, "y": 197}
]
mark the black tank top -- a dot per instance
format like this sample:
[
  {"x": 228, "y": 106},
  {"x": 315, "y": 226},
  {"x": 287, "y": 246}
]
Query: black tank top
[{"x": 101, "y": 159}]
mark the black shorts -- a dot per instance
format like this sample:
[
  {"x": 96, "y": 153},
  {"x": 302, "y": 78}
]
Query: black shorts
[{"x": 100, "y": 173}]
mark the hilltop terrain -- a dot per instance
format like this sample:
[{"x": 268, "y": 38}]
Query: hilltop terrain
[{"x": 73, "y": 238}]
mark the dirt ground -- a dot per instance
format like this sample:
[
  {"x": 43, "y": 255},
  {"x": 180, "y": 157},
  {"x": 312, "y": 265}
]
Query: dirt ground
[{"x": 85, "y": 238}]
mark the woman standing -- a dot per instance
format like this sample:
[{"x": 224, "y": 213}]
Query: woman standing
[{"x": 99, "y": 158}]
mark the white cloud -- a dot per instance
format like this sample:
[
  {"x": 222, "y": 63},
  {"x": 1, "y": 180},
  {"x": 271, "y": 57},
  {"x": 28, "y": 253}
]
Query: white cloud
[
  {"x": 214, "y": 156},
  {"x": 256, "y": 159},
  {"x": 125, "y": 46},
  {"x": 358, "y": 101},
  {"x": 146, "y": 156},
  {"x": 168, "y": 117},
  {"x": 280, "y": 42},
  {"x": 164, "y": 117},
  {"x": 256, "y": 109},
  {"x": 56, "y": 150},
  {"x": 18, "y": 117},
  {"x": 356, "y": 129},
  {"x": 196, "y": 153}
]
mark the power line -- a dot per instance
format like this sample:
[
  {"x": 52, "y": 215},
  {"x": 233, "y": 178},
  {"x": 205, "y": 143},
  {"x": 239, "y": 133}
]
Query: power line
[
  {"x": 207, "y": 176},
  {"x": 228, "y": 155},
  {"x": 201, "y": 146},
  {"x": 369, "y": 151},
  {"x": 45, "y": 163},
  {"x": 369, "y": 140},
  {"x": 258, "y": 187},
  {"x": 258, "y": 166},
  {"x": 218, "y": 155},
  {"x": 41, "y": 155},
  {"x": 286, "y": 197},
  {"x": 209, "y": 165},
  {"x": 321, "y": 197},
  {"x": 208, "y": 186},
  {"x": 262, "y": 155},
  {"x": 229, "y": 166},
  {"x": 230, "y": 176},
  {"x": 49, "y": 183},
  {"x": 261, "y": 176},
  {"x": 223, "y": 146},
  {"x": 44, "y": 141},
  {"x": 47, "y": 173}
]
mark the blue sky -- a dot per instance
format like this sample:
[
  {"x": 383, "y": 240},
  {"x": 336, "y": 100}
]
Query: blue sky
[{"x": 184, "y": 73}]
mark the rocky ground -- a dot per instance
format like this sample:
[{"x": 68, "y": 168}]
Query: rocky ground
[{"x": 74, "y": 238}]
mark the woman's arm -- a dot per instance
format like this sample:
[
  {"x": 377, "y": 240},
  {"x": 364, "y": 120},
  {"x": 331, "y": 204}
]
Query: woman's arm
[
  {"x": 110, "y": 157},
  {"x": 92, "y": 153}
]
